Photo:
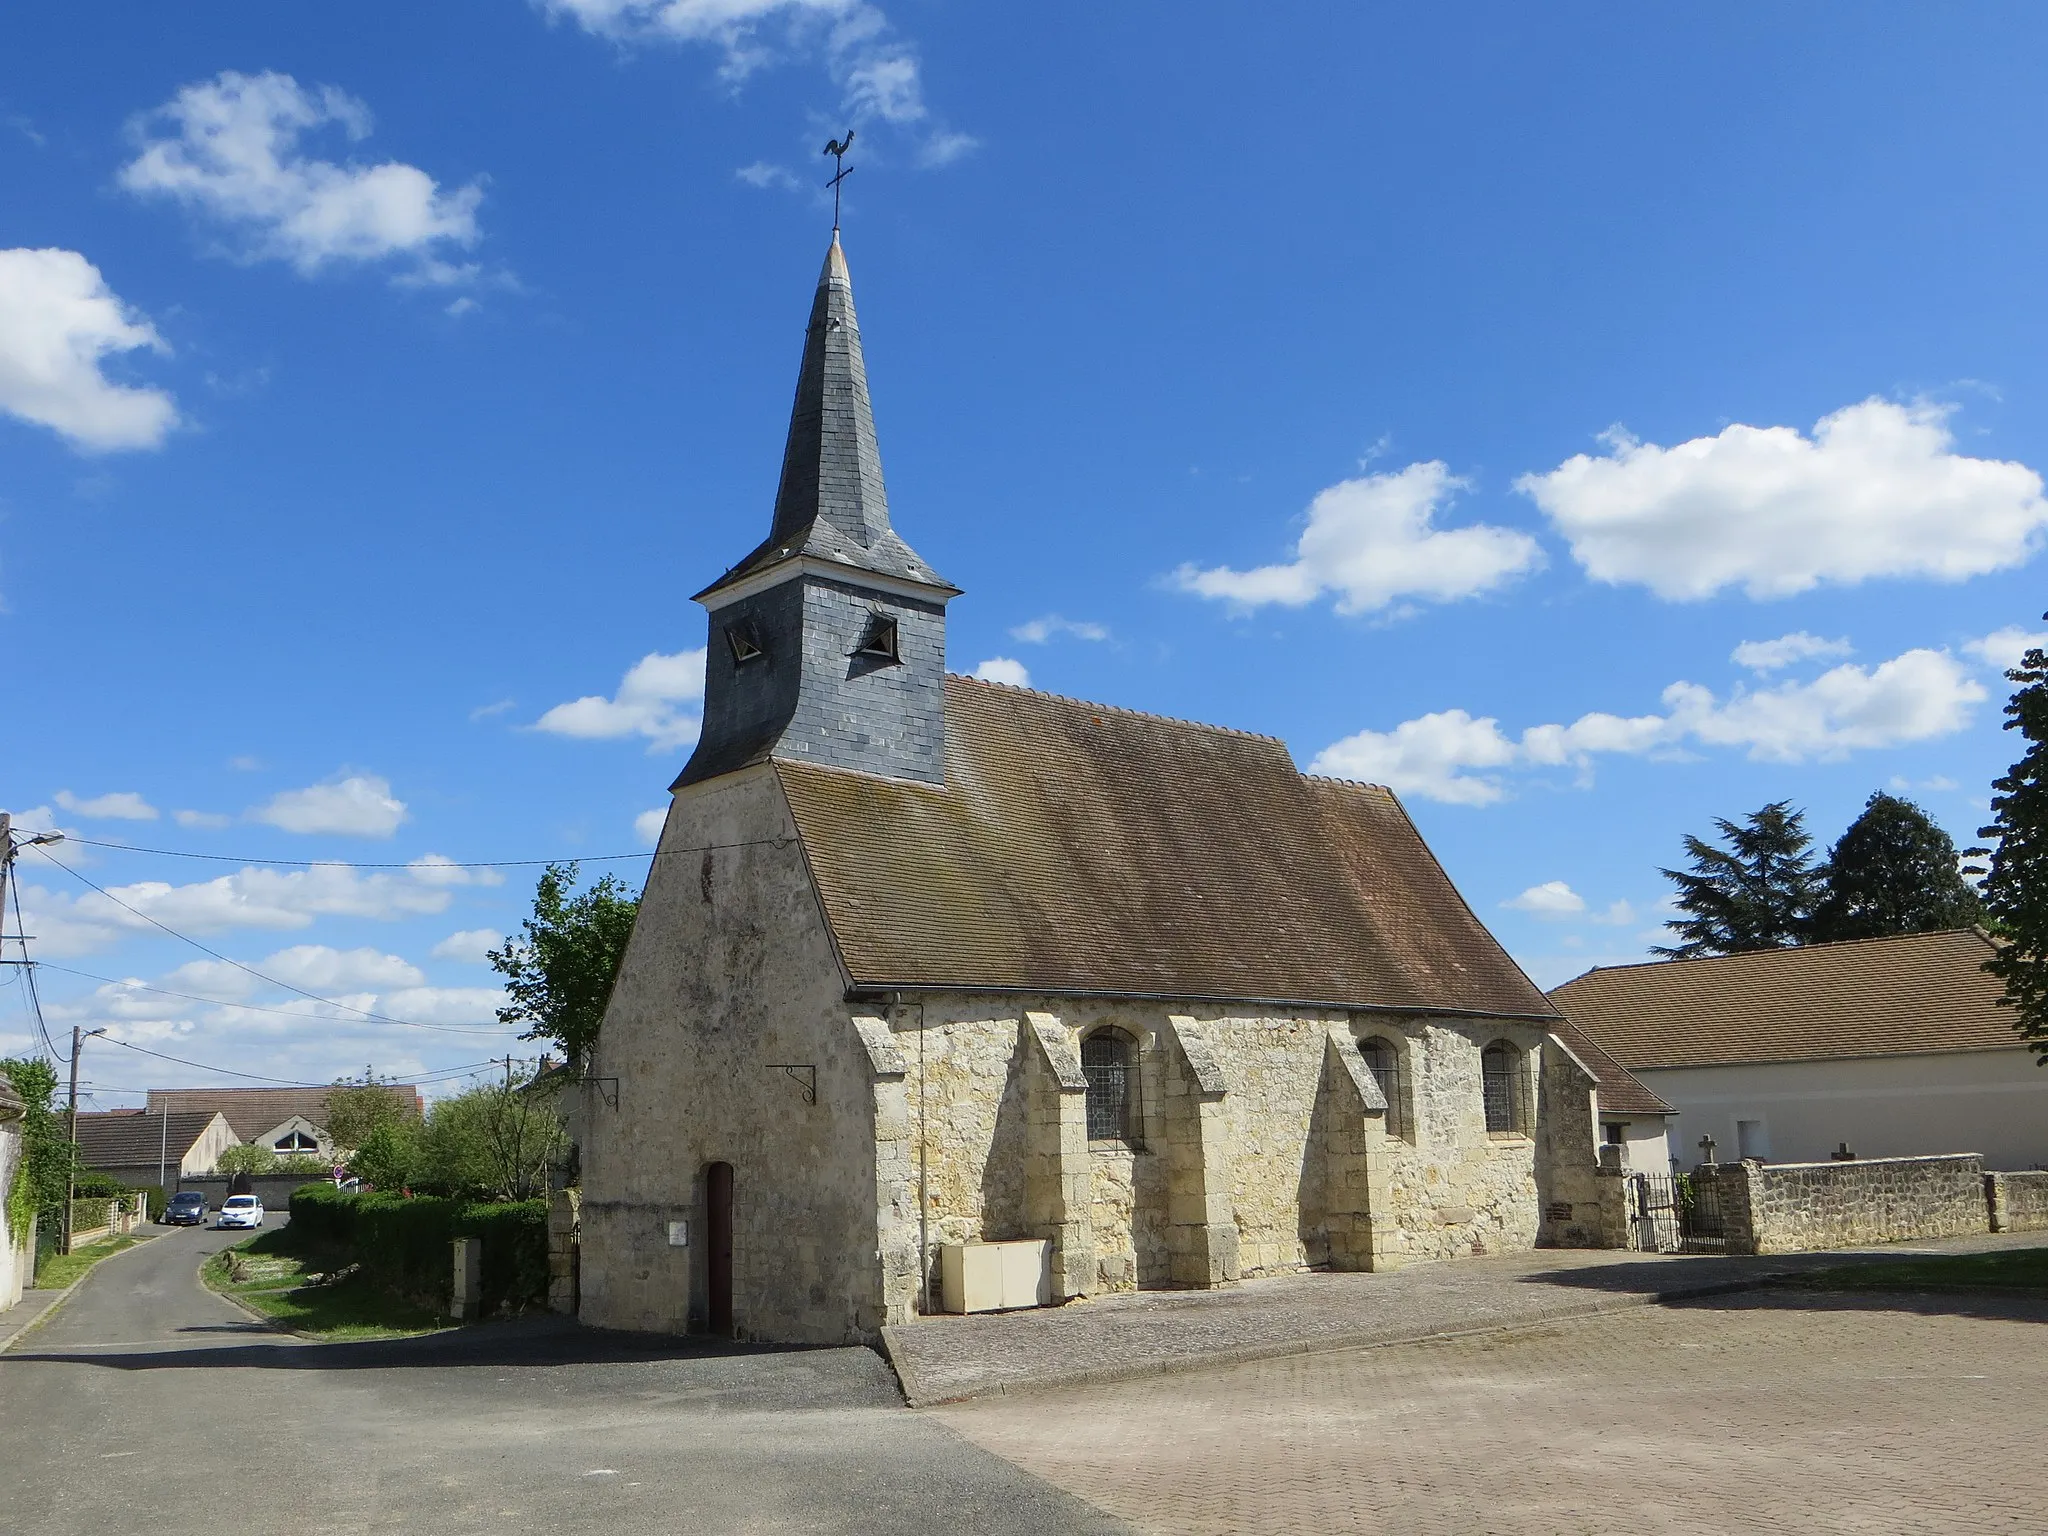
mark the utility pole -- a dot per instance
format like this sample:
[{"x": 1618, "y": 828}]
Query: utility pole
[
  {"x": 163, "y": 1151},
  {"x": 71, "y": 1170}
]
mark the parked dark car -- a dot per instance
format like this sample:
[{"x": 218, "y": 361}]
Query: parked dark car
[{"x": 187, "y": 1208}]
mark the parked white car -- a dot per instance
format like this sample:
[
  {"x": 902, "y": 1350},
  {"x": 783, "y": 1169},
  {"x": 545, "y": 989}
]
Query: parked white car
[{"x": 241, "y": 1211}]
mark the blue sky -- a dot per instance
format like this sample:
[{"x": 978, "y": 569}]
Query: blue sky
[{"x": 1587, "y": 429}]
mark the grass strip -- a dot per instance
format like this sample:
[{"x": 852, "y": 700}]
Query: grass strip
[
  {"x": 2021, "y": 1270},
  {"x": 313, "y": 1293},
  {"x": 60, "y": 1270}
]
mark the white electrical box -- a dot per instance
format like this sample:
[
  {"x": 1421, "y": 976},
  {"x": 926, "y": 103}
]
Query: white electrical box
[
  {"x": 679, "y": 1234},
  {"x": 994, "y": 1277}
]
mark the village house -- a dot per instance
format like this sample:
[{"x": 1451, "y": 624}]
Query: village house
[
  {"x": 1894, "y": 1047},
  {"x": 292, "y": 1122},
  {"x": 926, "y": 961},
  {"x": 140, "y": 1147}
]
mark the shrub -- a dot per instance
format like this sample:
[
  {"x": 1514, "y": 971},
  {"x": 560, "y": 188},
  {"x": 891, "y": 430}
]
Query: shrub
[{"x": 403, "y": 1243}]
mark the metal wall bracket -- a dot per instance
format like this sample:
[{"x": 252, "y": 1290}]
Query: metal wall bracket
[{"x": 803, "y": 1074}]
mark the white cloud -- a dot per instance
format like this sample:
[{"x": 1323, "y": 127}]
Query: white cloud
[
  {"x": 764, "y": 175},
  {"x": 1427, "y": 757},
  {"x": 944, "y": 148},
  {"x": 880, "y": 76},
  {"x": 1774, "y": 655},
  {"x": 360, "y": 805},
  {"x": 1004, "y": 669},
  {"x": 472, "y": 946},
  {"x": 248, "y": 898},
  {"x": 648, "y": 824},
  {"x": 208, "y": 820},
  {"x": 647, "y": 704},
  {"x": 229, "y": 147},
  {"x": 1373, "y": 542},
  {"x": 1041, "y": 629},
  {"x": 39, "y": 818},
  {"x": 1619, "y": 914},
  {"x": 1452, "y": 757},
  {"x": 1877, "y": 490},
  {"x": 1552, "y": 900},
  {"x": 122, "y": 805},
  {"x": 444, "y": 1005},
  {"x": 1916, "y": 696},
  {"x": 320, "y": 968},
  {"x": 2006, "y": 648},
  {"x": 59, "y": 322}
]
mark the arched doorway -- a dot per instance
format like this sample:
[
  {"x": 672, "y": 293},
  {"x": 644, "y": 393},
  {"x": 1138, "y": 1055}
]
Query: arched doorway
[{"x": 718, "y": 1248}]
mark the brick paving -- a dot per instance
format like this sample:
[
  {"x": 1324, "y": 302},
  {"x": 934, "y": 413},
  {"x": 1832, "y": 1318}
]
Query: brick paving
[
  {"x": 943, "y": 1359},
  {"x": 1767, "y": 1411}
]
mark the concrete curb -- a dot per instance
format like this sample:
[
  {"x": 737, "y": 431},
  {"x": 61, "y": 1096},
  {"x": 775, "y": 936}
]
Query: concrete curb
[
  {"x": 50, "y": 1307},
  {"x": 915, "y": 1395}
]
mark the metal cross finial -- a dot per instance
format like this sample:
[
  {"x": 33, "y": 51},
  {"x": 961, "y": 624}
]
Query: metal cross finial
[{"x": 837, "y": 149}]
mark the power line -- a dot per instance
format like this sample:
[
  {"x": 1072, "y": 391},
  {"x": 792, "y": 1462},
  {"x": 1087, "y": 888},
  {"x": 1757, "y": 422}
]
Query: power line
[
  {"x": 282, "y": 1082},
  {"x": 289, "y": 1013},
  {"x": 225, "y": 960},
  {"x": 27, "y": 966},
  {"x": 419, "y": 864}
]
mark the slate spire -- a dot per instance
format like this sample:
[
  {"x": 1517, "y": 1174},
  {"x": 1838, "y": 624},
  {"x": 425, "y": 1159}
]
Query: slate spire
[
  {"x": 828, "y": 642},
  {"x": 831, "y": 502}
]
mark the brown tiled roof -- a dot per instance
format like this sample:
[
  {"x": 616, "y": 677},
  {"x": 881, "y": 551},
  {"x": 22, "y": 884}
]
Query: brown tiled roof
[
  {"x": 252, "y": 1111},
  {"x": 1076, "y": 848},
  {"x": 1621, "y": 1091},
  {"x": 124, "y": 1138},
  {"x": 1871, "y": 997}
]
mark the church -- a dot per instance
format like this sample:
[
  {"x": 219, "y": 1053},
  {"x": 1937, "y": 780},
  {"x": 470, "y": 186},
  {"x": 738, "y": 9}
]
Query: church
[{"x": 927, "y": 961}]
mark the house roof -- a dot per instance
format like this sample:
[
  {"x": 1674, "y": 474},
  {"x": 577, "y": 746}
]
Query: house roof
[
  {"x": 1077, "y": 848},
  {"x": 252, "y": 1111},
  {"x": 1920, "y": 992},
  {"x": 126, "y": 1138},
  {"x": 1621, "y": 1091}
]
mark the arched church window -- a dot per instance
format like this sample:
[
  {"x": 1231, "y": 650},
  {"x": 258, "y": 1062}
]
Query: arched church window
[
  {"x": 1108, "y": 1062},
  {"x": 1383, "y": 1061},
  {"x": 1500, "y": 1074}
]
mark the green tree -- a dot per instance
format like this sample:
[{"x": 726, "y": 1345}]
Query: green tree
[
  {"x": 391, "y": 1156},
  {"x": 2016, "y": 884},
  {"x": 42, "y": 1179},
  {"x": 496, "y": 1141},
  {"x": 356, "y": 1107},
  {"x": 251, "y": 1157},
  {"x": 1756, "y": 893},
  {"x": 559, "y": 971},
  {"x": 1893, "y": 871}
]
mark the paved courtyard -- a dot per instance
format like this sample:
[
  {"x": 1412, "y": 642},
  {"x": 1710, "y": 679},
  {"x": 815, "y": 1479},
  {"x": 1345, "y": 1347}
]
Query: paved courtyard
[{"x": 1766, "y": 1411}]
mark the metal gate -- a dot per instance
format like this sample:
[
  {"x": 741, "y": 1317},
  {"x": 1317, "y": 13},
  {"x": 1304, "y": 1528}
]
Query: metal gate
[{"x": 1673, "y": 1213}]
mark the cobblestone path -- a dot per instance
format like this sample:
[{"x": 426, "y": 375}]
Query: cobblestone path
[{"x": 1763, "y": 1412}]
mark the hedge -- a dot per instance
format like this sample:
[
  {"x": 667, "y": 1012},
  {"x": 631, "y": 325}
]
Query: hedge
[{"x": 404, "y": 1244}]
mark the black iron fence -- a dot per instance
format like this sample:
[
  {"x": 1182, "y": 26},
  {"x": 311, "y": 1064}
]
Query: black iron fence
[{"x": 1675, "y": 1213}]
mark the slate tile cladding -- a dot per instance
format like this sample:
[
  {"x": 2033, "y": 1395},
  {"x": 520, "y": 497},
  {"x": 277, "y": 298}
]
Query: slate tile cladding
[
  {"x": 811, "y": 696},
  {"x": 1074, "y": 847},
  {"x": 1868, "y": 997}
]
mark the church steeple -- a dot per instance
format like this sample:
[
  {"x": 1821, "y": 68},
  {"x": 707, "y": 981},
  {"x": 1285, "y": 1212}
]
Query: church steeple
[{"x": 828, "y": 640}]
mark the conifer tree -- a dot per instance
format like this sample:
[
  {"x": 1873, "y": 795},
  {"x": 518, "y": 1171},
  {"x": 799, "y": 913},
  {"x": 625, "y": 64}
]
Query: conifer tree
[
  {"x": 1757, "y": 892},
  {"x": 1893, "y": 871},
  {"x": 2016, "y": 886}
]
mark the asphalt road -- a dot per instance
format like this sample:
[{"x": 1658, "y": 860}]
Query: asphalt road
[{"x": 148, "y": 1405}]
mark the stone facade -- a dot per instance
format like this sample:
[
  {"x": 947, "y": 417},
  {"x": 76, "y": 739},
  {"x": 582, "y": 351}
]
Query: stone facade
[
  {"x": 1261, "y": 1143},
  {"x": 1799, "y": 1207},
  {"x": 2018, "y": 1202},
  {"x": 730, "y": 1040}
]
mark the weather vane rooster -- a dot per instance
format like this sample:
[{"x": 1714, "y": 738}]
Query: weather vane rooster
[{"x": 837, "y": 149}]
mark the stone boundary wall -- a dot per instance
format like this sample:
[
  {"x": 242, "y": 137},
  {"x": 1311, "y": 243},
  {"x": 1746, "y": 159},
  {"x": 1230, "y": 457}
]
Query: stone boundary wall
[
  {"x": 1800, "y": 1207},
  {"x": 2018, "y": 1202}
]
